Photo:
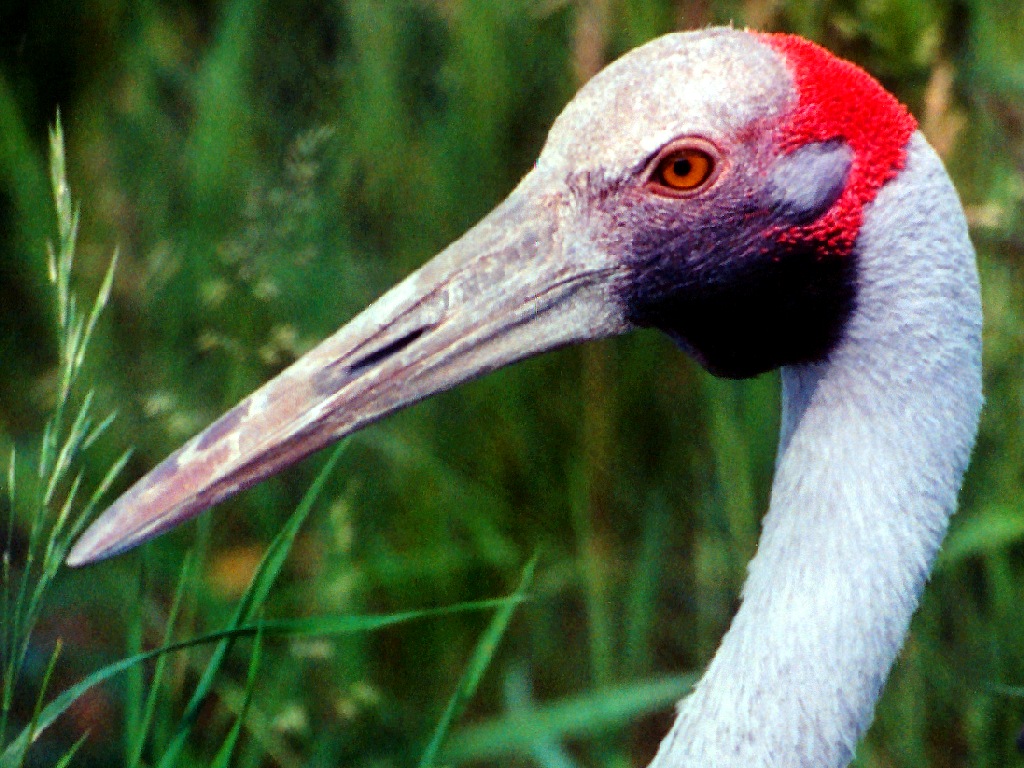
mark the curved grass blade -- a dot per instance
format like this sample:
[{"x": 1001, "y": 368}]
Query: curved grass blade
[
  {"x": 251, "y": 601},
  {"x": 33, "y": 726},
  {"x": 223, "y": 759},
  {"x": 478, "y": 664},
  {"x": 996, "y": 527},
  {"x": 70, "y": 754},
  {"x": 319, "y": 626},
  {"x": 518, "y": 695},
  {"x": 518, "y": 732},
  {"x": 149, "y": 708}
]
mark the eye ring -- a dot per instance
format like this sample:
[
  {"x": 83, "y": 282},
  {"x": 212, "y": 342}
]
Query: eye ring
[{"x": 684, "y": 168}]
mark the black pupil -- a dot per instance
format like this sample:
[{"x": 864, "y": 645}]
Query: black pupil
[{"x": 682, "y": 167}]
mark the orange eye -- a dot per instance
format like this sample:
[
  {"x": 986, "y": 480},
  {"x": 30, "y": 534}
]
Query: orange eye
[{"x": 684, "y": 169}]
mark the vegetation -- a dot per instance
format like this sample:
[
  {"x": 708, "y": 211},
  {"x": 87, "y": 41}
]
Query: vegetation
[{"x": 266, "y": 169}]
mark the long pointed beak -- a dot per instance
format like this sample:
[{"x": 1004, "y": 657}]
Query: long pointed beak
[{"x": 514, "y": 286}]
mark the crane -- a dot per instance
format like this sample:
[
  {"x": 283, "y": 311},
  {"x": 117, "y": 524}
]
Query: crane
[{"x": 768, "y": 205}]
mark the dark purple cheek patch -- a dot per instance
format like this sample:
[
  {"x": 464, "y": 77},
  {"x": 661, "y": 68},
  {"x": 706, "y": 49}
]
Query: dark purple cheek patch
[{"x": 838, "y": 100}]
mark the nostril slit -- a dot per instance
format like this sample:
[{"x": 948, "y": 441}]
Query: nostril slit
[{"x": 392, "y": 348}]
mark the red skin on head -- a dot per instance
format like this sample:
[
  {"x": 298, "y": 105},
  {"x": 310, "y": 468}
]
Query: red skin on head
[{"x": 838, "y": 100}]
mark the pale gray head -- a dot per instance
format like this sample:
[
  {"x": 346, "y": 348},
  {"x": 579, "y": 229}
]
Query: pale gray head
[{"x": 716, "y": 185}]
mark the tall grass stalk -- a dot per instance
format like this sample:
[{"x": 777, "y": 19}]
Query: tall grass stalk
[{"x": 52, "y": 500}]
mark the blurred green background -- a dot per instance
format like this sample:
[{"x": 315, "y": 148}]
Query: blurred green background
[{"x": 268, "y": 167}]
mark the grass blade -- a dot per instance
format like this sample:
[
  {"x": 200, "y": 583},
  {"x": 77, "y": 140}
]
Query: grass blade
[
  {"x": 997, "y": 527},
  {"x": 227, "y": 749},
  {"x": 321, "y": 626},
  {"x": 305, "y": 626},
  {"x": 70, "y": 754},
  {"x": 253, "y": 599},
  {"x": 98, "y": 430},
  {"x": 102, "y": 297},
  {"x": 86, "y": 515},
  {"x": 518, "y": 694},
  {"x": 12, "y": 754},
  {"x": 154, "y": 687},
  {"x": 33, "y": 726},
  {"x": 579, "y": 716},
  {"x": 642, "y": 598},
  {"x": 477, "y": 666}
]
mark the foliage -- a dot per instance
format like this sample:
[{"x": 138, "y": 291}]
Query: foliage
[
  {"x": 267, "y": 168},
  {"x": 54, "y": 514}
]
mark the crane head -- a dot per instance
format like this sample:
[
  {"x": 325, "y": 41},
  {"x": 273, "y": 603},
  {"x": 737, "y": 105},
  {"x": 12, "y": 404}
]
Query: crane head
[{"x": 710, "y": 184}]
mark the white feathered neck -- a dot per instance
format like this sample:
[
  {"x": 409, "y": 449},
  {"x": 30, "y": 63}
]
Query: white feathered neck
[{"x": 873, "y": 446}]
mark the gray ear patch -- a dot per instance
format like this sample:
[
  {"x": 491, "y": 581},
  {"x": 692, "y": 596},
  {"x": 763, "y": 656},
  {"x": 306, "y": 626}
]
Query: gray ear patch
[{"x": 805, "y": 183}]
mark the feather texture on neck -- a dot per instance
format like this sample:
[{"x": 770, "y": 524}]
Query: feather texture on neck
[{"x": 873, "y": 447}]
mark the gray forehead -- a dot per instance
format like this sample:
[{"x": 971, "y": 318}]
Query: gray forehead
[{"x": 710, "y": 83}]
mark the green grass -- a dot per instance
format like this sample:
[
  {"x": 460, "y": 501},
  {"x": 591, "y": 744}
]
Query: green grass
[
  {"x": 267, "y": 169},
  {"x": 53, "y": 512}
]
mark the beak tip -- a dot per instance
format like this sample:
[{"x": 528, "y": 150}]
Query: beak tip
[
  {"x": 105, "y": 537},
  {"x": 98, "y": 542},
  {"x": 82, "y": 553}
]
